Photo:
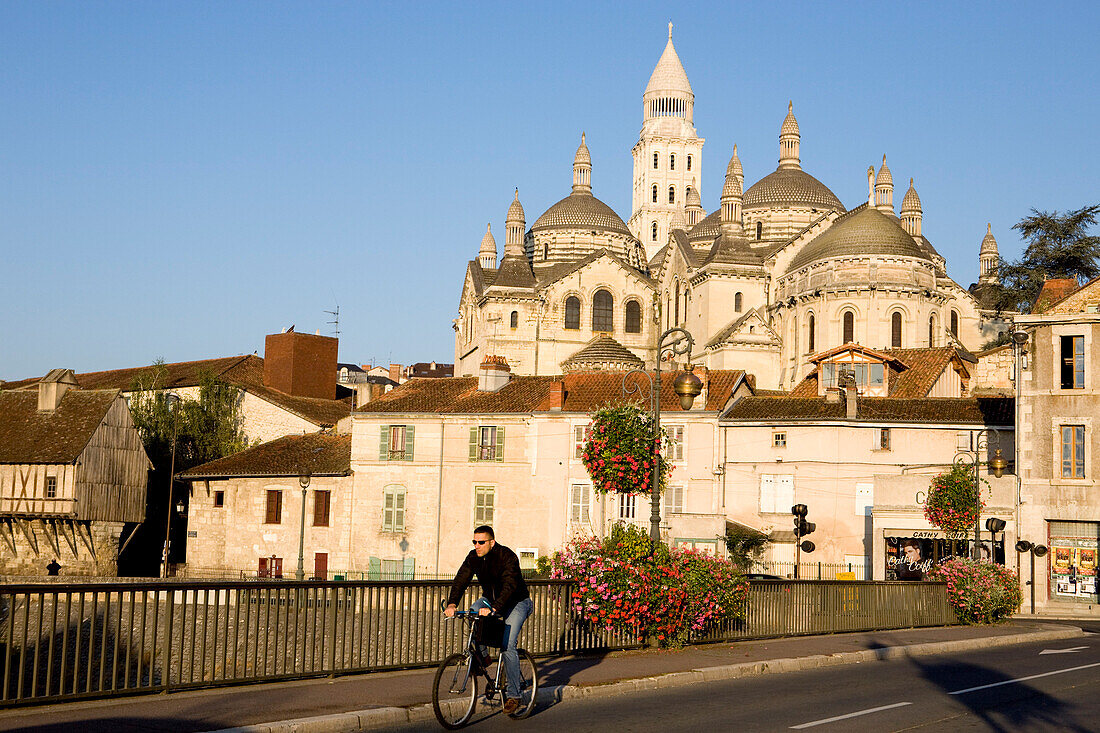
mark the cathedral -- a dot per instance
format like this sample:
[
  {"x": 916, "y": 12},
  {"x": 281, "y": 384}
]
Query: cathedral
[{"x": 780, "y": 271}]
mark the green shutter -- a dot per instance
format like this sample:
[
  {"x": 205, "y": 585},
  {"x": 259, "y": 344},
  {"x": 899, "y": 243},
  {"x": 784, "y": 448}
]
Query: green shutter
[
  {"x": 409, "y": 569},
  {"x": 473, "y": 444},
  {"x": 374, "y": 568},
  {"x": 500, "y": 444},
  {"x": 408, "y": 442},
  {"x": 384, "y": 444}
]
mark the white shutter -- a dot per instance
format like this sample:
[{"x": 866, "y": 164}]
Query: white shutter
[
  {"x": 767, "y": 494},
  {"x": 784, "y": 493},
  {"x": 865, "y": 499}
]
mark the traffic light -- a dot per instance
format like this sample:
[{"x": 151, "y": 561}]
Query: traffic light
[{"x": 802, "y": 527}]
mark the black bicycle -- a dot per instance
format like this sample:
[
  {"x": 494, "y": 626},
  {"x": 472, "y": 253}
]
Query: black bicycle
[{"x": 454, "y": 691}]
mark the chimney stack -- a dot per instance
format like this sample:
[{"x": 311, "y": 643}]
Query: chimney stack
[
  {"x": 494, "y": 374},
  {"x": 557, "y": 396},
  {"x": 53, "y": 386},
  {"x": 301, "y": 364}
]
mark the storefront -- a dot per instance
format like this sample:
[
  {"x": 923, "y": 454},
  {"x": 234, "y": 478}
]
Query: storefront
[{"x": 1073, "y": 551}]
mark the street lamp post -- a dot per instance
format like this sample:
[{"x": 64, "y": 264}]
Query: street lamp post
[
  {"x": 673, "y": 341},
  {"x": 172, "y": 400},
  {"x": 971, "y": 458},
  {"x": 300, "y": 573}
]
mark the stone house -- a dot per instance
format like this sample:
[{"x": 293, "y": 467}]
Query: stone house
[{"x": 73, "y": 474}]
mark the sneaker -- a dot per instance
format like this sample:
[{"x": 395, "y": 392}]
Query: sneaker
[{"x": 511, "y": 705}]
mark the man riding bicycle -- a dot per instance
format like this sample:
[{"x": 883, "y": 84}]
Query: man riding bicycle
[{"x": 504, "y": 592}]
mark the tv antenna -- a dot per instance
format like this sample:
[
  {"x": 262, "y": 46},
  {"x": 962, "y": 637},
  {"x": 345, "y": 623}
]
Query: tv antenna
[{"x": 335, "y": 322}]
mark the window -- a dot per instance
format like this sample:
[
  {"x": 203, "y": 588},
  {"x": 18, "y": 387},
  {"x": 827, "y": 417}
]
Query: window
[
  {"x": 1073, "y": 451},
  {"x": 545, "y": 251},
  {"x": 672, "y": 161},
  {"x": 738, "y": 303},
  {"x": 865, "y": 499},
  {"x": 395, "y": 443},
  {"x": 633, "y": 317},
  {"x": 779, "y": 440},
  {"x": 955, "y": 324},
  {"x": 573, "y": 312},
  {"x": 672, "y": 501},
  {"x": 655, "y": 159},
  {"x": 321, "y": 500},
  {"x": 51, "y": 487},
  {"x": 274, "y": 514},
  {"x": 689, "y": 163},
  {"x": 654, "y": 193},
  {"x": 865, "y": 375},
  {"x": 884, "y": 439},
  {"x": 672, "y": 194},
  {"x": 759, "y": 229},
  {"x": 483, "y": 504},
  {"x": 776, "y": 493},
  {"x": 931, "y": 331},
  {"x": 513, "y": 321},
  {"x": 849, "y": 327},
  {"x": 580, "y": 437},
  {"x": 1073, "y": 362},
  {"x": 219, "y": 498},
  {"x": 654, "y": 230},
  {"x": 674, "y": 443},
  {"x": 895, "y": 330},
  {"x": 603, "y": 311},
  {"x": 393, "y": 508},
  {"x": 580, "y": 497},
  {"x": 811, "y": 328},
  {"x": 487, "y": 443},
  {"x": 627, "y": 506}
]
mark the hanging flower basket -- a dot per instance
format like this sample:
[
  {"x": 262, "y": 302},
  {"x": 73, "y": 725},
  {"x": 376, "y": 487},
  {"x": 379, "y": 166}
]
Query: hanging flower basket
[
  {"x": 952, "y": 503},
  {"x": 621, "y": 451}
]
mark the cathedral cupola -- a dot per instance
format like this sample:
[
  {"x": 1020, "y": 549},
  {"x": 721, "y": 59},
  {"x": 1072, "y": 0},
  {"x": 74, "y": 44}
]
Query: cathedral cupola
[
  {"x": 693, "y": 212},
  {"x": 731, "y": 201},
  {"x": 582, "y": 170},
  {"x": 884, "y": 189},
  {"x": 515, "y": 224},
  {"x": 668, "y": 93},
  {"x": 911, "y": 214},
  {"x": 789, "y": 139},
  {"x": 988, "y": 257},
  {"x": 487, "y": 255}
]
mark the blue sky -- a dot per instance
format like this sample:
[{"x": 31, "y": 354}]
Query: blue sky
[{"x": 179, "y": 179}]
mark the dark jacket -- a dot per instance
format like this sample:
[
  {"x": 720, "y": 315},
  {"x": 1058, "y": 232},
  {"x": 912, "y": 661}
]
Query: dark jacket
[{"x": 499, "y": 575}]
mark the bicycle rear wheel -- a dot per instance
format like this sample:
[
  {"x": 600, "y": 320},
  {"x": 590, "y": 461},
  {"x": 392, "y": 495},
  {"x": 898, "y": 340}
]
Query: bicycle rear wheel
[
  {"x": 454, "y": 691},
  {"x": 529, "y": 687}
]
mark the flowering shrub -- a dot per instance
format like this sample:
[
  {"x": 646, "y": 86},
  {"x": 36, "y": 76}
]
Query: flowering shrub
[
  {"x": 951, "y": 504},
  {"x": 621, "y": 451},
  {"x": 981, "y": 592},
  {"x": 626, "y": 584}
]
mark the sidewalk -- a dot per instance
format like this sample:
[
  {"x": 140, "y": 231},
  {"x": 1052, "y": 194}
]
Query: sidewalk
[{"x": 372, "y": 701}]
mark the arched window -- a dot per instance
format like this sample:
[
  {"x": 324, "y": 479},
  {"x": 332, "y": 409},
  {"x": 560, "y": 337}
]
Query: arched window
[
  {"x": 633, "y": 317},
  {"x": 655, "y": 161},
  {"x": 676, "y": 308},
  {"x": 849, "y": 327},
  {"x": 955, "y": 324},
  {"x": 931, "y": 331},
  {"x": 545, "y": 250},
  {"x": 895, "y": 330},
  {"x": 737, "y": 303},
  {"x": 654, "y": 229},
  {"x": 603, "y": 311},
  {"x": 654, "y": 193},
  {"x": 672, "y": 194},
  {"x": 759, "y": 229},
  {"x": 573, "y": 312},
  {"x": 672, "y": 161},
  {"x": 689, "y": 162},
  {"x": 514, "y": 320},
  {"x": 811, "y": 326}
]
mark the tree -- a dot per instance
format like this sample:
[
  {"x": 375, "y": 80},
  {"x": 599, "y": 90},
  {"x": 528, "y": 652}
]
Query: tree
[
  {"x": 744, "y": 545},
  {"x": 206, "y": 428},
  {"x": 1058, "y": 246}
]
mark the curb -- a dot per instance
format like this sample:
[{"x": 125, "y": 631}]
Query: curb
[{"x": 376, "y": 718}]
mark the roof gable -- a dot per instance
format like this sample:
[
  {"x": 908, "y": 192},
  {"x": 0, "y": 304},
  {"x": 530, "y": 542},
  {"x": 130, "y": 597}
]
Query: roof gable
[
  {"x": 59, "y": 436},
  {"x": 737, "y": 330},
  {"x": 1078, "y": 301}
]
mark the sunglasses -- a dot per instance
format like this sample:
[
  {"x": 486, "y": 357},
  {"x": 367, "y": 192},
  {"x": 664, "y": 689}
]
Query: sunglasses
[{"x": 479, "y": 542}]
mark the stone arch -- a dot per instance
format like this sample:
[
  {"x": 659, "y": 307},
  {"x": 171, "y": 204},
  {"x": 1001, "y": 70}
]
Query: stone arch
[{"x": 632, "y": 315}]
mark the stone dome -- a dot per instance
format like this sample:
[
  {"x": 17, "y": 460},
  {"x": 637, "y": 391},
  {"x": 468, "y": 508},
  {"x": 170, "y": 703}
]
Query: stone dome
[
  {"x": 602, "y": 352},
  {"x": 911, "y": 202},
  {"x": 790, "y": 124},
  {"x": 581, "y": 211},
  {"x": 989, "y": 242},
  {"x": 515, "y": 211},
  {"x": 488, "y": 243},
  {"x": 884, "y": 178},
  {"x": 790, "y": 187},
  {"x": 706, "y": 230},
  {"x": 866, "y": 232}
]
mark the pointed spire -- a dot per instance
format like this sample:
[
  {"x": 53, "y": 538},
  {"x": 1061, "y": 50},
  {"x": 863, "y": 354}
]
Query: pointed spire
[
  {"x": 734, "y": 167},
  {"x": 669, "y": 75},
  {"x": 582, "y": 170},
  {"x": 515, "y": 226},
  {"x": 693, "y": 212},
  {"x": 732, "y": 199},
  {"x": 884, "y": 189},
  {"x": 789, "y": 140},
  {"x": 487, "y": 255},
  {"x": 911, "y": 201},
  {"x": 988, "y": 257}
]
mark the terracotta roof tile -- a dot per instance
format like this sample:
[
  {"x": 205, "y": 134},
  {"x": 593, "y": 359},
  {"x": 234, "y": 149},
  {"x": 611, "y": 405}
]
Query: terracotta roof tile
[
  {"x": 1054, "y": 290},
  {"x": 997, "y": 411},
  {"x": 322, "y": 454},
  {"x": 30, "y": 436},
  {"x": 912, "y": 372}
]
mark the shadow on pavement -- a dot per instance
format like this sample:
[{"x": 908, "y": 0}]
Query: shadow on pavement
[{"x": 120, "y": 725}]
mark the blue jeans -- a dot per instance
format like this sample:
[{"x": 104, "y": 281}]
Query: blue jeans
[{"x": 512, "y": 625}]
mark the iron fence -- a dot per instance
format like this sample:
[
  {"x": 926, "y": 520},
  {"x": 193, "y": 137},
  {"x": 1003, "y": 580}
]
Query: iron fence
[
  {"x": 813, "y": 570},
  {"x": 69, "y": 640}
]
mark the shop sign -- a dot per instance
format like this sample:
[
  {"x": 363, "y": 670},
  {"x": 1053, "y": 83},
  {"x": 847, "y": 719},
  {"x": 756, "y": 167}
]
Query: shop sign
[{"x": 928, "y": 534}]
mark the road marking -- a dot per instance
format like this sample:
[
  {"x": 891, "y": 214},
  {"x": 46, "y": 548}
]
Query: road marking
[
  {"x": 868, "y": 711},
  {"x": 1023, "y": 679},
  {"x": 1062, "y": 651}
]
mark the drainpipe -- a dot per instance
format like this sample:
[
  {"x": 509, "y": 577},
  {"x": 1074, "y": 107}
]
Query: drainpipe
[{"x": 439, "y": 501}]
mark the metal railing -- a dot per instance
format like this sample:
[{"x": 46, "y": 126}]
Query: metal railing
[
  {"x": 68, "y": 640},
  {"x": 808, "y": 570}
]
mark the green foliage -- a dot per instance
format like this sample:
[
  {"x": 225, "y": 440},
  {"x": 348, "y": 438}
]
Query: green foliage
[
  {"x": 744, "y": 545},
  {"x": 980, "y": 591},
  {"x": 1058, "y": 246},
  {"x": 623, "y": 450},
  {"x": 952, "y": 501}
]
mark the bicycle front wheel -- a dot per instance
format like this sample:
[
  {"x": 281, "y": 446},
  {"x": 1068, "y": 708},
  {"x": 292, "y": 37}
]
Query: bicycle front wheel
[
  {"x": 454, "y": 691},
  {"x": 529, "y": 685}
]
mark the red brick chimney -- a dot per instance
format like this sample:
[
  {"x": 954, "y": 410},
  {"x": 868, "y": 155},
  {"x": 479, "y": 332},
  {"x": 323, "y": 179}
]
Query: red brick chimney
[
  {"x": 301, "y": 364},
  {"x": 556, "y": 397}
]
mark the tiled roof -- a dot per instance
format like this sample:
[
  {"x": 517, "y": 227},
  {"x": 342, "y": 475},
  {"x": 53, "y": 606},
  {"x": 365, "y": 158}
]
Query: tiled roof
[
  {"x": 996, "y": 411},
  {"x": 790, "y": 187},
  {"x": 514, "y": 272},
  {"x": 581, "y": 211},
  {"x": 603, "y": 349},
  {"x": 245, "y": 371},
  {"x": 866, "y": 232},
  {"x": 322, "y": 454},
  {"x": 425, "y": 369},
  {"x": 912, "y": 372},
  {"x": 584, "y": 392},
  {"x": 1077, "y": 301},
  {"x": 30, "y": 436},
  {"x": 1054, "y": 290}
]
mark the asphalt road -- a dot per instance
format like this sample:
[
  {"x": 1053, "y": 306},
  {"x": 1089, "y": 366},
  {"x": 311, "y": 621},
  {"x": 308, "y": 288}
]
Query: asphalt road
[{"x": 1017, "y": 688}]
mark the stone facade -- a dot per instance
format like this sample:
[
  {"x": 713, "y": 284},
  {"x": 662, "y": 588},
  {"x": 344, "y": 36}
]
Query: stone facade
[{"x": 83, "y": 548}]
